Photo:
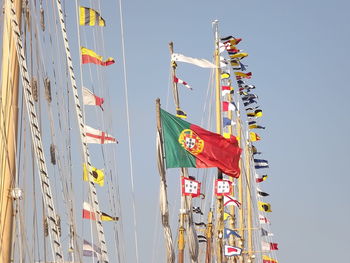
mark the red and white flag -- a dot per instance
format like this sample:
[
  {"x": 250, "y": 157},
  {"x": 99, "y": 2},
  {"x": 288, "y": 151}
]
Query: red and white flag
[
  {"x": 223, "y": 187},
  {"x": 96, "y": 136},
  {"x": 230, "y": 200},
  {"x": 190, "y": 187},
  {"x": 91, "y": 99},
  {"x": 228, "y": 106},
  {"x": 263, "y": 220},
  {"x": 177, "y": 80},
  {"x": 88, "y": 211},
  {"x": 226, "y": 90},
  {"x": 232, "y": 251},
  {"x": 267, "y": 246}
]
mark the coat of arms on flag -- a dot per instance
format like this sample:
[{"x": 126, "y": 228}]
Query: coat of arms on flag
[
  {"x": 190, "y": 187},
  {"x": 223, "y": 187}
]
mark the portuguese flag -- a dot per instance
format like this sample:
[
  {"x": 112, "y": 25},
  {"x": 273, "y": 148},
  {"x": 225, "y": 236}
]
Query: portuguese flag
[{"x": 188, "y": 145}]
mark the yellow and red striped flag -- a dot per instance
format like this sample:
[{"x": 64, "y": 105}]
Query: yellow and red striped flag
[
  {"x": 89, "y": 56},
  {"x": 240, "y": 75}
]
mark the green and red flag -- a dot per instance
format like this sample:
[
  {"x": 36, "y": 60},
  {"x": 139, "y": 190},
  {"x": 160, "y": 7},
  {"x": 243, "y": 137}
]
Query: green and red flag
[{"x": 188, "y": 145}]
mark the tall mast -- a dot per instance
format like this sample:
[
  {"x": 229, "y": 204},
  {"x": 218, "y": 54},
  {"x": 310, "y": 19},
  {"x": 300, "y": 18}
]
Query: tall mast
[
  {"x": 8, "y": 136},
  {"x": 219, "y": 201},
  {"x": 181, "y": 237}
]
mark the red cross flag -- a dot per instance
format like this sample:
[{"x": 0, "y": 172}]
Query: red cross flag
[
  {"x": 223, "y": 187},
  {"x": 230, "y": 200},
  {"x": 232, "y": 251},
  {"x": 190, "y": 187},
  {"x": 96, "y": 136}
]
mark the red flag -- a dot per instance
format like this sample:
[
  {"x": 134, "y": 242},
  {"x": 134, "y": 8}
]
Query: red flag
[
  {"x": 232, "y": 251},
  {"x": 226, "y": 106},
  {"x": 261, "y": 179},
  {"x": 190, "y": 187},
  {"x": 87, "y": 212}
]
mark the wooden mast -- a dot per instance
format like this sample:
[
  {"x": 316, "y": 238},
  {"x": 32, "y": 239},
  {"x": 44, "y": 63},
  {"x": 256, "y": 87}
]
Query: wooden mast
[
  {"x": 249, "y": 202},
  {"x": 209, "y": 235},
  {"x": 219, "y": 200},
  {"x": 181, "y": 236},
  {"x": 8, "y": 136},
  {"x": 240, "y": 189}
]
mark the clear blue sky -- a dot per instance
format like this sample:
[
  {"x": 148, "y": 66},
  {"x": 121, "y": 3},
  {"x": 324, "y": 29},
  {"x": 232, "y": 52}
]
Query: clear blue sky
[{"x": 299, "y": 55}]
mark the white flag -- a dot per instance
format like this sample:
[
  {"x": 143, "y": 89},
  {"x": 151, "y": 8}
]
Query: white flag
[
  {"x": 91, "y": 99},
  {"x": 191, "y": 187},
  {"x": 95, "y": 136},
  {"x": 265, "y": 246},
  {"x": 263, "y": 220},
  {"x": 230, "y": 200},
  {"x": 203, "y": 63}
]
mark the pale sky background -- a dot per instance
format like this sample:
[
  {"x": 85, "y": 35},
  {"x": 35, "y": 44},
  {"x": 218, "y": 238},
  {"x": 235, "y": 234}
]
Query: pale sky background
[{"x": 298, "y": 53}]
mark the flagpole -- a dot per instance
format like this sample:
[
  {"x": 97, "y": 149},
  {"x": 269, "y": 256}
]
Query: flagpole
[
  {"x": 209, "y": 235},
  {"x": 163, "y": 189},
  {"x": 240, "y": 189},
  {"x": 249, "y": 201},
  {"x": 219, "y": 201},
  {"x": 184, "y": 173},
  {"x": 173, "y": 71}
]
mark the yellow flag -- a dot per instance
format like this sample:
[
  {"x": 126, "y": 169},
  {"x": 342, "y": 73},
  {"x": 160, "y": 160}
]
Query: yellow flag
[
  {"x": 98, "y": 175},
  {"x": 226, "y": 216},
  {"x": 240, "y": 55},
  {"x": 90, "y": 17},
  {"x": 106, "y": 217},
  {"x": 254, "y": 137},
  {"x": 268, "y": 259},
  {"x": 266, "y": 207}
]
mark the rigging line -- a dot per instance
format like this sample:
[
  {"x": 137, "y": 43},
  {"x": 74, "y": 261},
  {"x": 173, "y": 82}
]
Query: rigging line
[
  {"x": 79, "y": 45},
  {"x": 116, "y": 235},
  {"x": 128, "y": 125},
  {"x": 81, "y": 125},
  {"x": 100, "y": 81}
]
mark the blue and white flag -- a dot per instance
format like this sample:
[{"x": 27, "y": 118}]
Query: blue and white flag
[
  {"x": 91, "y": 250},
  {"x": 260, "y": 163},
  {"x": 228, "y": 232},
  {"x": 266, "y": 233},
  {"x": 228, "y": 122}
]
